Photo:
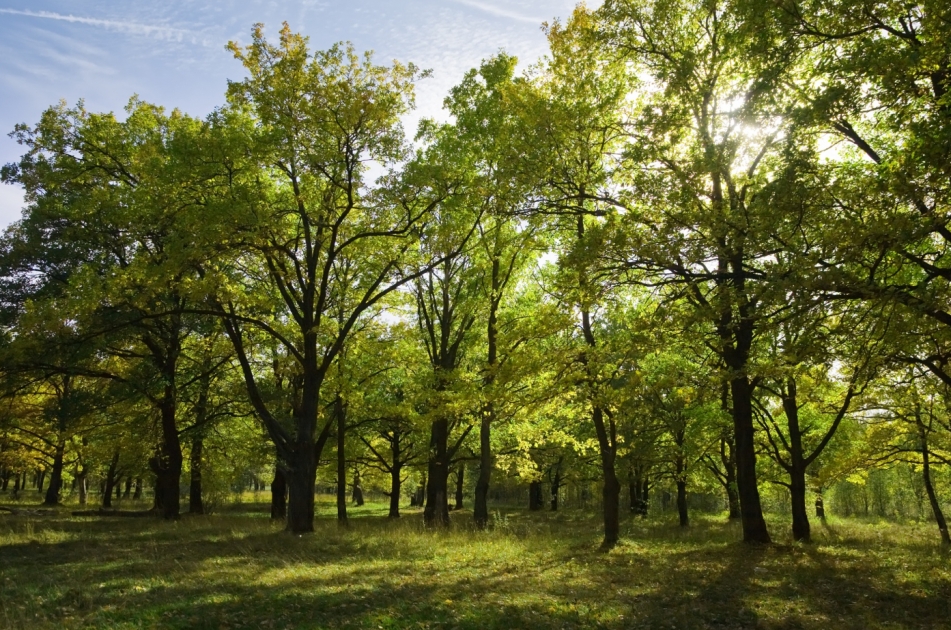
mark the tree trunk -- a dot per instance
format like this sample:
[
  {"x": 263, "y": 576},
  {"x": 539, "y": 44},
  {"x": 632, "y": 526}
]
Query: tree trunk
[
  {"x": 751, "y": 510},
  {"x": 195, "y": 503},
  {"x": 728, "y": 458},
  {"x": 340, "y": 415},
  {"x": 301, "y": 475},
  {"x": 396, "y": 484},
  {"x": 460, "y": 480},
  {"x": 929, "y": 485},
  {"x": 357, "y": 489},
  {"x": 419, "y": 496},
  {"x": 480, "y": 508},
  {"x": 555, "y": 488},
  {"x": 278, "y": 495},
  {"x": 167, "y": 462},
  {"x": 535, "y": 501},
  {"x": 797, "y": 492},
  {"x": 137, "y": 494},
  {"x": 797, "y": 464},
  {"x": 127, "y": 493},
  {"x": 612, "y": 508},
  {"x": 40, "y": 480},
  {"x": 682, "y": 503},
  {"x": 56, "y": 476},
  {"x": 436, "y": 513},
  {"x": 110, "y": 480},
  {"x": 82, "y": 476},
  {"x": 820, "y": 508}
]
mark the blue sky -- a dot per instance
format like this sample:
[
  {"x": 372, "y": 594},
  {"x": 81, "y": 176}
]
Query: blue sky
[{"x": 172, "y": 52}]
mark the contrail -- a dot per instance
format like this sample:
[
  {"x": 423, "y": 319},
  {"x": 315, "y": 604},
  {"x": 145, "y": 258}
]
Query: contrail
[
  {"x": 135, "y": 28},
  {"x": 488, "y": 8}
]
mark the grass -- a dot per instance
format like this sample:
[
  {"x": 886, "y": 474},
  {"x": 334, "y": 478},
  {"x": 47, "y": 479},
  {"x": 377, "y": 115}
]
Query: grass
[{"x": 239, "y": 570}]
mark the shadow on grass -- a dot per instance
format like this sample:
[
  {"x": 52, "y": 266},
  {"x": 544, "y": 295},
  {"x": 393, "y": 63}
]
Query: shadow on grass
[{"x": 543, "y": 571}]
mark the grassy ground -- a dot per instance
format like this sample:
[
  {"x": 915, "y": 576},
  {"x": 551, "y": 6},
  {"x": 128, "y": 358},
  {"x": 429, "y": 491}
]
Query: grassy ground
[{"x": 238, "y": 570}]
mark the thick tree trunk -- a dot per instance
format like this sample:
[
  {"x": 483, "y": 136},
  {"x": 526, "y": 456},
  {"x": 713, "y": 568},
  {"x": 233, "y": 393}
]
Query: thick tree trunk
[
  {"x": 56, "y": 476},
  {"x": 127, "y": 493},
  {"x": 535, "y": 500},
  {"x": 555, "y": 488},
  {"x": 820, "y": 507},
  {"x": 167, "y": 463},
  {"x": 301, "y": 475},
  {"x": 929, "y": 486},
  {"x": 278, "y": 495},
  {"x": 800, "y": 518},
  {"x": 195, "y": 503},
  {"x": 137, "y": 494},
  {"x": 436, "y": 513},
  {"x": 751, "y": 510},
  {"x": 460, "y": 480},
  {"x": 340, "y": 415},
  {"x": 40, "y": 480}
]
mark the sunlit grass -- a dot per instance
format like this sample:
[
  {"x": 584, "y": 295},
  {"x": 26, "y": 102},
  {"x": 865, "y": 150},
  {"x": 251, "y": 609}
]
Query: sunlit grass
[{"x": 239, "y": 570}]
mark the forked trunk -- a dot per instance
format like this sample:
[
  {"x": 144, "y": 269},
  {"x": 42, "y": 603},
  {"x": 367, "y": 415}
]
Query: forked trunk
[{"x": 797, "y": 464}]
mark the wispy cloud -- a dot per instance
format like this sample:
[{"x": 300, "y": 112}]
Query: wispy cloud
[
  {"x": 133, "y": 28},
  {"x": 494, "y": 10}
]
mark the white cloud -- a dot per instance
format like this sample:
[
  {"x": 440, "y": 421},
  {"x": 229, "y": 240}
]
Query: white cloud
[
  {"x": 488, "y": 8},
  {"x": 134, "y": 28}
]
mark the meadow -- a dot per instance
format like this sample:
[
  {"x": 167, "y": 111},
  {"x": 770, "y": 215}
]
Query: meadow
[{"x": 237, "y": 569}]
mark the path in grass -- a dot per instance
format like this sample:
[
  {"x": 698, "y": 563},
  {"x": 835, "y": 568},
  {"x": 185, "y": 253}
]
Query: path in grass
[{"x": 238, "y": 570}]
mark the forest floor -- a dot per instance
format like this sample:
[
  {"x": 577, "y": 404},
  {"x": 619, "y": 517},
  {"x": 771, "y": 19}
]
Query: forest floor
[{"x": 533, "y": 570}]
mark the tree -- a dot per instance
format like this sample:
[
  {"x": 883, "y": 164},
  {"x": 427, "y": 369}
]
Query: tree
[{"x": 302, "y": 206}]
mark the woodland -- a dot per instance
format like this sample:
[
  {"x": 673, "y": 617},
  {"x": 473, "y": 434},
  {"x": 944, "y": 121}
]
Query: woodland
[{"x": 676, "y": 299}]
